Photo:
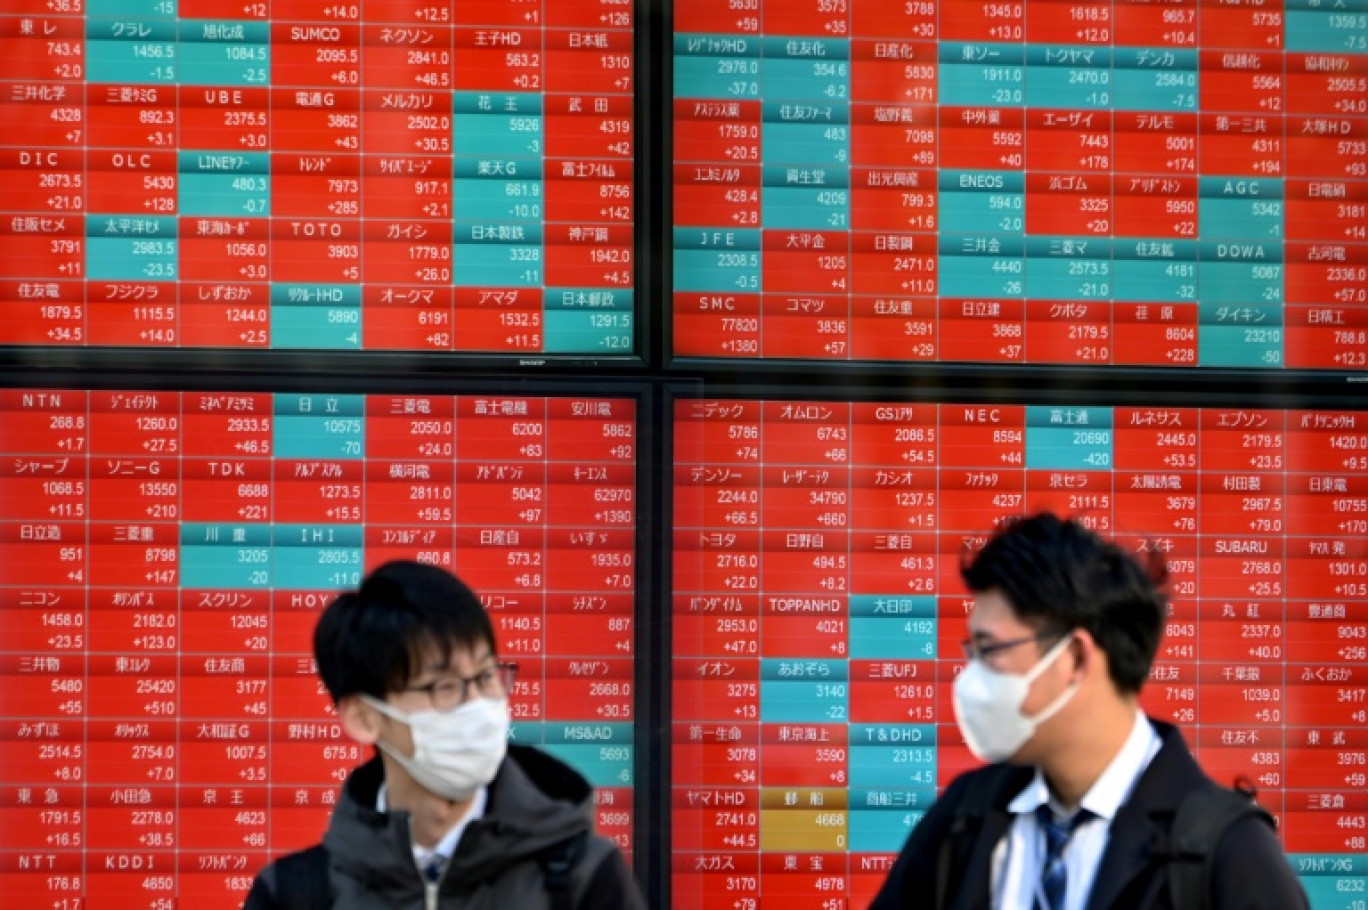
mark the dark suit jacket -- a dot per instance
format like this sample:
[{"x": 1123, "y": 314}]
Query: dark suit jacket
[{"x": 1251, "y": 871}]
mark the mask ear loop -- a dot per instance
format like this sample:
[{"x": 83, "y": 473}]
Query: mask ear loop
[{"x": 1063, "y": 698}]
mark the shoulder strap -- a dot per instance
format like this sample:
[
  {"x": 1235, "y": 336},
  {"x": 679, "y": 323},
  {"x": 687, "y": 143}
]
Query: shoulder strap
[
  {"x": 983, "y": 793},
  {"x": 302, "y": 879},
  {"x": 1203, "y": 817},
  {"x": 558, "y": 863}
]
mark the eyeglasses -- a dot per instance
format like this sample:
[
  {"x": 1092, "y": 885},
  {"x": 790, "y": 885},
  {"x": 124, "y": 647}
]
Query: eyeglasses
[
  {"x": 452, "y": 692},
  {"x": 975, "y": 651}
]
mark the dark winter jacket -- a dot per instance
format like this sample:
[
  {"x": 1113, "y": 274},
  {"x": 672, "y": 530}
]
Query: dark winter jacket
[
  {"x": 1250, "y": 872},
  {"x": 535, "y": 802}
]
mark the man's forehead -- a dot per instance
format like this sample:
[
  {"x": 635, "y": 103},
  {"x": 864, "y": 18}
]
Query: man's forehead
[
  {"x": 456, "y": 655},
  {"x": 993, "y": 613}
]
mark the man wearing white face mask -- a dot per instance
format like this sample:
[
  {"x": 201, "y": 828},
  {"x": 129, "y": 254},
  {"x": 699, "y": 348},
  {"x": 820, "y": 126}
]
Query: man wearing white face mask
[
  {"x": 447, "y": 815},
  {"x": 1076, "y": 809}
]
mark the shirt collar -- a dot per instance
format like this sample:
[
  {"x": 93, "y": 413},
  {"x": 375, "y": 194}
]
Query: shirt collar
[{"x": 1112, "y": 788}]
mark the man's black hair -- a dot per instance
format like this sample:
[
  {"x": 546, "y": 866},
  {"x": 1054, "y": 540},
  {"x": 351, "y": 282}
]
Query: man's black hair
[
  {"x": 374, "y": 640},
  {"x": 1059, "y": 576}
]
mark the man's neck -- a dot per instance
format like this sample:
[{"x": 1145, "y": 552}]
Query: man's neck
[
  {"x": 1072, "y": 772},
  {"x": 430, "y": 816}
]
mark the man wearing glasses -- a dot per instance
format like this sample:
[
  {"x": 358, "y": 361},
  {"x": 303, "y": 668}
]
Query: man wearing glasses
[
  {"x": 1076, "y": 808},
  {"x": 447, "y": 815}
]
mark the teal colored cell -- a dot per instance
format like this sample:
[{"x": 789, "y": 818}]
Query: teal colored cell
[
  {"x": 980, "y": 276},
  {"x": 205, "y": 65},
  {"x": 807, "y": 145},
  {"x": 253, "y": 168},
  {"x": 346, "y": 537},
  {"x": 315, "y": 295},
  {"x": 327, "y": 427},
  {"x": 316, "y": 327},
  {"x": 137, "y": 9},
  {"x": 722, "y": 76},
  {"x": 132, "y": 259},
  {"x": 1239, "y": 252},
  {"x": 140, "y": 226},
  {"x": 1241, "y": 188},
  {"x": 1049, "y": 417},
  {"x": 1231, "y": 346},
  {"x": 984, "y": 53},
  {"x": 910, "y": 766},
  {"x": 615, "y": 302},
  {"x": 1063, "y": 438},
  {"x": 498, "y": 233},
  {"x": 302, "y": 569},
  {"x": 586, "y": 760},
  {"x": 287, "y": 405},
  {"x": 1328, "y": 865},
  {"x": 716, "y": 239},
  {"x": 893, "y": 606},
  {"x": 1260, "y": 221},
  {"x": 586, "y": 332},
  {"x": 493, "y": 136},
  {"x": 972, "y": 202},
  {"x": 131, "y": 62},
  {"x": 892, "y": 638},
  {"x": 228, "y": 536},
  {"x": 217, "y": 566},
  {"x": 1068, "y": 268},
  {"x": 495, "y": 104},
  {"x": 216, "y": 194},
  {"x": 580, "y": 733},
  {"x": 1229, "y": 285},
  {"x": 805, "y": 49},
  {"x": 1342, "y": 28},
  {"x": 119, "y": 28},
  {"x": 1254, "y": 316},
  {"x": 1073, "y": 88},
  {"x": 1154, "y": 80},
  {"x": 986, "y": 74},
  {"x": 699, "y": 270},
  {"x": 783, "y": 670},
  {"x": 806, "y": 208},
  {"x": 223, "y": 31},
  {"x": 482, "y": 264},
  {"x": 787, "y": 176},
  {"x": 1154, "y": 281},
  {"x": 1156, "y": 60},
  {"x": 805, "y": 83},
  {"x": 498, "y": 200},
  {"x": 804, "y": 701},
  {"x": 879, "y": 830}
]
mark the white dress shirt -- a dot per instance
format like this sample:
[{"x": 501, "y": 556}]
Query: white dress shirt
[
  {"x": 422, "y": 856},
  {"x": 1018, "y": 858}
]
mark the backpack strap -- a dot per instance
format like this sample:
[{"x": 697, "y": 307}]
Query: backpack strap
[
  {"x": 302, "y": 879},
  {"x": 985, "y": 791},
  {"x": 558, "y": 863},
  {"x": 1202, "y": 819}
]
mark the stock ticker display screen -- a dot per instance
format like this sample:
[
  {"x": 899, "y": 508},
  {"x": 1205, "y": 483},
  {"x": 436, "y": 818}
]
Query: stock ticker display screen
[
  {"x": 818, "y": 612},
  {"x": 1101, "y": 182},
  {"x": 400, "y": 175},
  {"x": 162, "y": 730}
]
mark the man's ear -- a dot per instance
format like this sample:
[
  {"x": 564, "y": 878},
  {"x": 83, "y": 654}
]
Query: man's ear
[
  {"x": 1089, "y": 659},
  {"x": 359, "y": 720}
]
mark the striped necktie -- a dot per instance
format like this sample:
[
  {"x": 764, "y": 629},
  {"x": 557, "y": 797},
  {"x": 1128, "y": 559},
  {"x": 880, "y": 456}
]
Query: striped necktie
[{"x": 1054, "y": 876}]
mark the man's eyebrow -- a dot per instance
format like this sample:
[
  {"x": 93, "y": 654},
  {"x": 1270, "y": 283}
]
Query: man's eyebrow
[{"x": 438, "y": 665}]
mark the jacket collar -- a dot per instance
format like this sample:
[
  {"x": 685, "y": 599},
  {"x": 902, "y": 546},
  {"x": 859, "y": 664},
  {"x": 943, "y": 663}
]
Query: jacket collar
[{"x": 1143, "y": 821}]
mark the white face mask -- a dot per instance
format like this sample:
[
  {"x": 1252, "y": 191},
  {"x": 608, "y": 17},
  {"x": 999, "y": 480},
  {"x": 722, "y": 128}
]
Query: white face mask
[
  {"x": 455, "y": 752},
  {"x": 988, "y": 706}
]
